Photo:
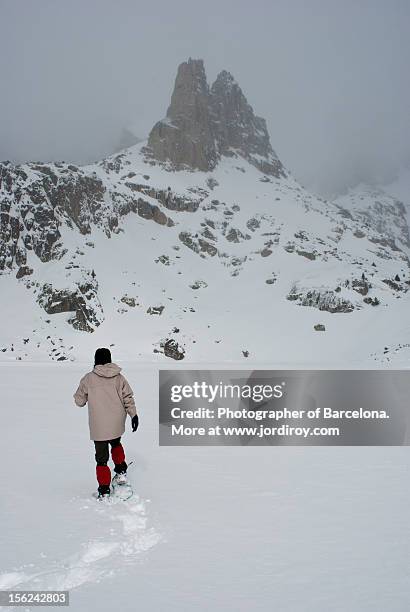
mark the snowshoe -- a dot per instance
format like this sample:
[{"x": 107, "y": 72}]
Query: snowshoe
[
  {"x": 120, "y": 479},
  {"x": 121, "y": 486}
]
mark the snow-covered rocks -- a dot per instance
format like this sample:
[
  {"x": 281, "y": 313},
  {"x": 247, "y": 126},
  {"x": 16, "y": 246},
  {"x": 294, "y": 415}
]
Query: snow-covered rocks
[
  {"x": 323, "y": 299},
  {"x": 80, "y": 301}
]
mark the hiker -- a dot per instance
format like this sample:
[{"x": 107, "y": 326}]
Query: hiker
[{"x": 109, "y": 398}]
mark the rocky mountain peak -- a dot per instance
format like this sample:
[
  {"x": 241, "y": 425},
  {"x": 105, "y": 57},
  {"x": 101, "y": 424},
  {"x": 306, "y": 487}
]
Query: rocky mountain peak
[
  {"x": 224, "y": 80},
  {"x": 202, "y": 124},
  {"x": 185, "y": 137},
  {"x": 238, "y": 129},
  {"x": 190, "y": 90}
]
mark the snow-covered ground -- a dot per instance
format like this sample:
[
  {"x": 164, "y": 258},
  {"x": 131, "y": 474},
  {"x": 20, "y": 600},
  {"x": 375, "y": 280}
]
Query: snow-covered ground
[{"x": 229, "y": 528}]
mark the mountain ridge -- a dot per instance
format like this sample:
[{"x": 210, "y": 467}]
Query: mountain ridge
[{"x": 201, "y": 265}]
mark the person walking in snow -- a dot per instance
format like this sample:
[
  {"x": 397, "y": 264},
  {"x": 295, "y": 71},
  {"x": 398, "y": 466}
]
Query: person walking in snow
[{"x": 110, "y": 398}]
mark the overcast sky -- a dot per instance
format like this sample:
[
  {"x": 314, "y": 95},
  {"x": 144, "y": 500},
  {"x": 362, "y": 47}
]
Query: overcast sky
[{"x": 331, "y": 77}]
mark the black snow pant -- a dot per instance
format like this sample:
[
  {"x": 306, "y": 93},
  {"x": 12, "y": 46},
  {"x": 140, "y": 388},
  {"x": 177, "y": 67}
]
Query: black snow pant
[{"x": 102, "y": 454}]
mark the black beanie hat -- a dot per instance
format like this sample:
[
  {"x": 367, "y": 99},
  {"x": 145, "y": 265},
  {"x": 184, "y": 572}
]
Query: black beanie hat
[{"x": 102, "y": 356}]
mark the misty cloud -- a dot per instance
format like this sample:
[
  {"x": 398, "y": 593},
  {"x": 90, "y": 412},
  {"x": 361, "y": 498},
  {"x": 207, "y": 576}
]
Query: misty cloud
[{"x": 331, "y": 78}]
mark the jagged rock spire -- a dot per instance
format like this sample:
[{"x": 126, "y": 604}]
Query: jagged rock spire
[
  {"x": 203, "y": 124},
  {"x": 238, "y": 129},
  {"x": 185, "y": 136}
]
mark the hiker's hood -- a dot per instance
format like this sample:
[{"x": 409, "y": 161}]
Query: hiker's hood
[{"x": 108, "y": 370}]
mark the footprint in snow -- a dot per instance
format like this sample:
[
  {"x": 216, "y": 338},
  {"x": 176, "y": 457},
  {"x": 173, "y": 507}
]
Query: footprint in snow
[{"x": 124, "y": 541}]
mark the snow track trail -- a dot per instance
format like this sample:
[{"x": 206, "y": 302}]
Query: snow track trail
[{"x": 125, "y": 535}]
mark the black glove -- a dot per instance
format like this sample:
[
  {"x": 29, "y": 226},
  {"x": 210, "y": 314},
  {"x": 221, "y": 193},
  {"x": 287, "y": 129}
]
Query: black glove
[{"x": 134, "y": 422}]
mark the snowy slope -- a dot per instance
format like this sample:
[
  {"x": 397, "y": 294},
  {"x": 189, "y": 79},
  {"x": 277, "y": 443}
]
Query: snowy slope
[
  {"x": 266, "y": 243},
  {"x": 400, "y": 188}
]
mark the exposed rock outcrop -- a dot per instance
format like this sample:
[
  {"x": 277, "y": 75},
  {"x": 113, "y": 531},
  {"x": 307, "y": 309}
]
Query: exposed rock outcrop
[
  {"x": 323, "y": 299},
  {"x": 36, "y": 199},
  {"x": 82, "y": 301},
  {"x": 172, "y": 349},
  {"x": 167, "y": 198},
  {"x": 238, "y": 130},
  {"x": 198, "y": 245},
  {"x": 24, "y": 271},
  {"x": 185, "y": 137},
  {"x": 202, "y": 124}
]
